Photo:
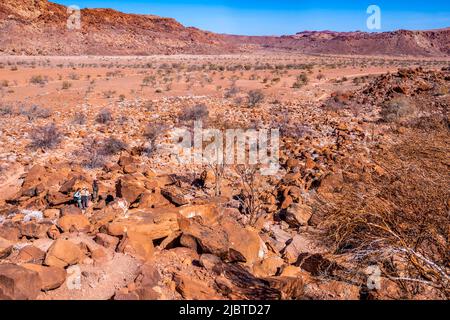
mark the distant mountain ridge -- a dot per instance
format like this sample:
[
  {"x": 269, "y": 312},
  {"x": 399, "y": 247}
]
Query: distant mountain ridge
[
  {"x": 401, "y": 42},
  {"x": 38, "y": 27}
]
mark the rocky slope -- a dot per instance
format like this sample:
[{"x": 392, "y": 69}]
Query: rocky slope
[
  {"x": 377, "y": 156},
  {"x": 38, "y": 27},
  {"x": 401, "y": 42}
]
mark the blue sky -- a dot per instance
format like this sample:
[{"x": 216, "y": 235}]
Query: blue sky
[{"x": 272, "y": 17}]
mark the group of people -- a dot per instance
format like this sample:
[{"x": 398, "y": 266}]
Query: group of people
[{"x": 82, "y": 195}]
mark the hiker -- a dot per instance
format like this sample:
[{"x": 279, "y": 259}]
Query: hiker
[
  {"x": 77, "y": 198},
  {"x": 84, "y": 198},
  {"x": 95, "y": 191}
]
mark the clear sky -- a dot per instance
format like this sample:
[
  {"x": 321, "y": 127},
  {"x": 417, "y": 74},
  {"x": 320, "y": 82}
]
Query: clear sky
[{"x": 279, "y": 17}]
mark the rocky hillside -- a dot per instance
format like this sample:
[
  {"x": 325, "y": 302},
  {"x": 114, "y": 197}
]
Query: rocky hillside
[
  {"x": 402, "y": 42},
  {"x": 38, "y": 27}
]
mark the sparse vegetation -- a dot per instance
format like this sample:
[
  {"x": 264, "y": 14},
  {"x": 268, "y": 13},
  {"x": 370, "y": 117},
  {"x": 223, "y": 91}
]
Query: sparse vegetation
[
  {"x": 104, "y": 116},
  {"x": 151, "y": 133},
  {"x": 255, "y": 97},
  {"x": 396, "y": 109},
  {"x": 197, "y": 112},
  {"x": 45, "y": 137},
  {"x": 66, "y": 85},
  {"x": 35, "y": 112},
  {"x": 79, "y": 118},
  {"x": 112, "y": 145},
  {"x": 38, "y": 80},
  {"x": 301, "y": 81}
]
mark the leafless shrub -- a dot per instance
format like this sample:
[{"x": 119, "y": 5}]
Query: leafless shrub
[
  {"x": 46, "y": 137},
  {"x": 231, "y": 92},
  {"x": 154, "y": 130},
  {"x": 251, "y": 193},
  {"x": 6, "y": 110},
  {"x": 35, "y": 112},
  {"x": 109, "y": 94},
  {"x": 302, "y": 80},
  {"x": 218, "y": 169},
  {"x": 104, "y": 116},
  {"x": 39, "y": 80},
  {"x": 398, "y": 215},
  {"x": 255, "y": 97},
  {"x": 396, "y": 109},
  {"x": 122, "y": 119},
  {"x": 92, "y": 153},
  {"x": 66, "y": 85},
  {"x": 79, "y": 118},
  {"x": 112, "y": 146},
  {"x": 197, "y": 112},
  {"x": 74, "y": 76}
]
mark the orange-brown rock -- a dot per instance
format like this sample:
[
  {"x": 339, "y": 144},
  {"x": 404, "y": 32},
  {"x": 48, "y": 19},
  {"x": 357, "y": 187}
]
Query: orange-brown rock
[
  {"x": 34, "y": 229},
  {"x": 30, "y": 254},
  {"x": 10, "y": 232},
  {"x": 298, "y": 215},
  {"x": 244, "y": 241},
  {"x": 51, "y": 277},
  {"x": 71, "y": 210},
  {"x": 268, "y": 267},
  {"x": 137, "y": 245},
  {"x": 116, "y": 209},
  {"x": 18, "y": 283},
  {"x": 154, "y": 223},
  {"x": 62, "y": 253},
  {"x": 74, "y": 223},
  {"x": 5, "y": 248},
  {"x": 130, "y": 187},
  {"x": 192, "y": 289},
  {"x": 106, "y": 240}
]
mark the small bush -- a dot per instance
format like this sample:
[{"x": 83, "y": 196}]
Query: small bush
[
  {"x": 6, "y": 110},
  {"x": 35, "y": 112},
  {"x": 231, "y": 92},
  {"x": 152, "y": 132},
  {"x": 197, "y": 112},
  {"x": 79, "y": 118},
  {"x": 104, "y": 116},
  {"x": 46, "y": 137},
  {"x": 92, "y": 154},
  {"x": 38, "y": 80},
  {"x": 66, "y": 85},
  {"x": 255, "y": 97},
  {"x": 396, "y": 109},
  {"x": 112, "y": 146},
  {"x": 109, "y": 94},
  {"x": 74, "y": 76},
  {"x": 302, "y": 80}
]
